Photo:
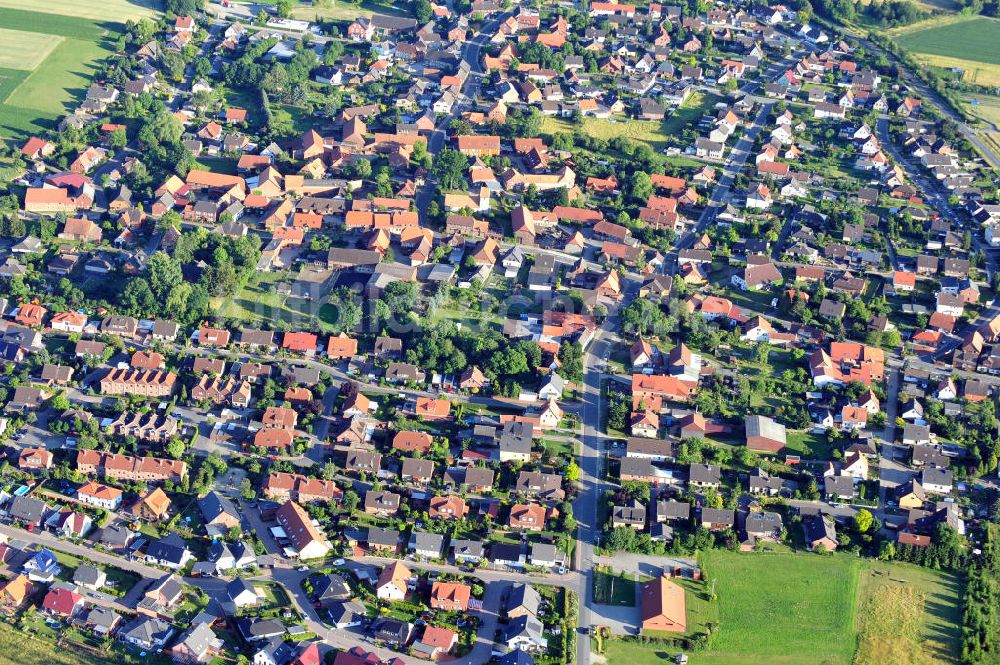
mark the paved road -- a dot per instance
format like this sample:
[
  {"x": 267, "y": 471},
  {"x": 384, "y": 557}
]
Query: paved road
[
  {"x": 891, "y": 404},
  {"x": 585, "y": 508}
]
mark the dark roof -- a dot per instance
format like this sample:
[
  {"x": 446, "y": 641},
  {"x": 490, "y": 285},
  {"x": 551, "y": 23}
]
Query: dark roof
[{"x": 169, "y": 548}]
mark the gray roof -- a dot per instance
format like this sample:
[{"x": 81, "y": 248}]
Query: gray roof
[
  {"x": 516, "y": 437},
  {"x": 840, "y": 486},
  {"x": 765, "y": 427},
  {"x": 718, "y": 516},
  {"x": 937, "y": 476},
  {"x": 705, "y": 473},
  {"x": 348, "y": 612},
  {"x": 527, "y": 626},
  {"x": 425, "y": 541},
  {"x": 466, "y": 547},
  {"x": 27, "y": 509},
  {"x": 200, "y": 638},
  {"x": 817, "y": 527},
  {"x": 523, "y": 596},
  {"x": 213, "y": 504},
  {"x": 763, "y": 522},
  {"x": 379, "y": 536},
  {"x": 147, "y": 630},
  {"x": 669, "y": 510},
  {"x": 87, "y": 575}
]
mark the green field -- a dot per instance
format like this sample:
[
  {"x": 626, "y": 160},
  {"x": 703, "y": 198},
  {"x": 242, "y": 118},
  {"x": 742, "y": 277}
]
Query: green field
[
  {"x": 782, "y": 608},
  {"x": 975, "y": 39},
  {"x": 656, "y": 134},
  {"x": 44, "y": 76},
  {"x": 964, "y": 42},
  {"x": 785, "y": 609},
  {"x": 986, "y": 107}
]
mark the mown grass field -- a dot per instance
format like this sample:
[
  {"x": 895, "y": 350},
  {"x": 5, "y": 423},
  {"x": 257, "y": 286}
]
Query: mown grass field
[
  {"x": 965, "y": 42},
  {"x": 791, "y": 609},
  {"x": 48, "y": 56},
  {"x": 782, "y": 608}
]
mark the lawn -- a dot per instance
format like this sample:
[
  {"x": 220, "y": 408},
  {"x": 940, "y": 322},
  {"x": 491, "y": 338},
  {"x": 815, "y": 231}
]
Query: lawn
[
  {"x": 612, "y": 588},
  {"x": 965, "y": 42},
  {"x": 781, "y": 608},
  {"x": 809, "y": 445},
  {"x": 690, "y": 112}
]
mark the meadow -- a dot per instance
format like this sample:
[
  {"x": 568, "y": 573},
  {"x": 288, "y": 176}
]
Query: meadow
[
  {"x": 907, "y": 615},
  {"x": 986, "y": 107},
  {"x": 50, "y": 54}
]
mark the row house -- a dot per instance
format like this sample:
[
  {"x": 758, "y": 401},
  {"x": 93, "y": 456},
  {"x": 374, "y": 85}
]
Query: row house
[
  {"x": 126, "y": 467},
  {"x": 144, "y": 426},
  {"x": 146, "y": 383}
]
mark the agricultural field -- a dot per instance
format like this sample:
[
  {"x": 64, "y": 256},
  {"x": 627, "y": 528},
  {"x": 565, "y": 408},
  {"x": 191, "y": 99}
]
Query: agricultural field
[
  {"x": 25, "y": 50},
  {"x": 964, "y": 42},
  {"x": 116, "y": 11},
  {"x": 49, "y": 55}
]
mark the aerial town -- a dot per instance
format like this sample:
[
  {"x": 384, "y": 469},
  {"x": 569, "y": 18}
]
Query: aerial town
[{"x": 499, "y": 332}]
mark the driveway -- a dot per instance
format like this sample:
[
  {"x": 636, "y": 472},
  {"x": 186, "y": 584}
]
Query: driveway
[{"x": 619, "y": 619}]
